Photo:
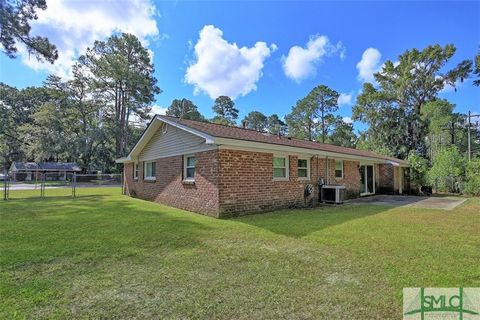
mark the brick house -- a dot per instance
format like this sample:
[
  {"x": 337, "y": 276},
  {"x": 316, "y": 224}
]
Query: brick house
[{"x": 223, "y": 171}]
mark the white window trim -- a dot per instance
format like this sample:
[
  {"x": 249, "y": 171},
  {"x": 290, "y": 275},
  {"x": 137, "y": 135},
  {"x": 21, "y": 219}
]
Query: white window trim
[
  {"x": 335, "y": 169},
  {"x": 308, "y": 168},
  {"x": 287, "y": 167},
  {"x": 374, "y": 172},
  {"x": 145, "y": 177},
  {"x": 185, "y": 167},
  {"x": 135, "y": 170}
]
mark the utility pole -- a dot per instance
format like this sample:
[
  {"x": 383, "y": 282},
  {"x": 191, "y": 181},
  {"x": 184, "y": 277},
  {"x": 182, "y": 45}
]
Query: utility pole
[{"x": 469, "y": 147}]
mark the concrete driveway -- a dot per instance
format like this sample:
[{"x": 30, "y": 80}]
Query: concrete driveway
[{"x": 442, "y": 203}]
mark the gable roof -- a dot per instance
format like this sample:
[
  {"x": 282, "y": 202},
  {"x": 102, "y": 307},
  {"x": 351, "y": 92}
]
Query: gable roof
[{"x": 211, "y": 132}]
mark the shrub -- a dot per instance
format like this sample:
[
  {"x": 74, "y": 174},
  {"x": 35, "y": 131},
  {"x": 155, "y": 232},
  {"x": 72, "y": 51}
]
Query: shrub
[
  {"x": 447, "y": 170},
  {"x": 418, "y": 169},
  {"x": 472, "y": 186}
]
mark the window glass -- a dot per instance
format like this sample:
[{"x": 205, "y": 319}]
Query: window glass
[
  {"x": 191, "y": 161},
  {"x": 189, "y": 167},
  {"x": 135, "y": 170},
  {"x": 338, "y": 169},
  {"x": 279, "y": 167},
  {"x": 302, "y": 168},
  {"x": 149, "y": 170},
  {"x": 278, "y": 162}
]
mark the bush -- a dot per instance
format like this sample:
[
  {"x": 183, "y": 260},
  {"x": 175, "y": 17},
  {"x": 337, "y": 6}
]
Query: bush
[
  {"x": 418, "y": 169},
  {"x": 447, "y": 170},
  {"x": 472, "y": 186}
]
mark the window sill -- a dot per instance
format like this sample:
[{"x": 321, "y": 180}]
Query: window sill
[
  {"x": 280, "y": 179},
  {"x": 303, "y": 179},
  {"x": 150, "y": 179},
  {"x": 135, "y": 179},
  {"x": 188, "y": 181}
]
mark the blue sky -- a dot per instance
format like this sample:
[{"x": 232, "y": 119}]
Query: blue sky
[{"x": 266, "y": 54}]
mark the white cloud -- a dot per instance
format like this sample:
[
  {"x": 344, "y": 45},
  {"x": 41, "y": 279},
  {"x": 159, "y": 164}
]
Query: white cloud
[
  {"x": 158, "y": 110},
  {"x": 347, "y": 120},
  {"x": 222, "y": 68},
  {"x": 449, "y": 88},
  {"x": 74, "y": 25},
  {"x": 369, "y": 64},
  {"x": 301, "y": 63},
  {"x": 345, "y": 99}
]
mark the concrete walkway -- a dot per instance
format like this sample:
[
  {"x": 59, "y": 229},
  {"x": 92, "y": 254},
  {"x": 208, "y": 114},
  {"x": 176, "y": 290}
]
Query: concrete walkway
[{"x": 442, "y": 203}]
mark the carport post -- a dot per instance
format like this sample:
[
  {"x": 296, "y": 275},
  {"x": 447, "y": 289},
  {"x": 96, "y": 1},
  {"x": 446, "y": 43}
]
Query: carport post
[
  {"x": 5, "y": 192},
  {"x": 74, "y": 184}
]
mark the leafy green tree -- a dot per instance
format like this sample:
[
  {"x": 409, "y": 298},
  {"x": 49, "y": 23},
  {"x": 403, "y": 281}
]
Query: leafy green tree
[
  {"x": 184, "y": 109},
  {"x": 275, "y": 125},
  {"x": 122, "y": 76},
  {"x": 472, "y": 185},
  {"x": 15, "y": 17},
  {"x": 343, "y": 134},
  {"x": 447, "y": 170},
  {"x": 418, "y": 169},
  {"x": 256, "y": 120},
  {"x": 403, "y": 90},
  {"x": 49, "y": 134},
  {"x": 302, "y": 121},
  {"x": 16, "y": 109},
  {"x": 326, "y": 102},
  {"x": 225, "y": 111},
  {"x": 312, "y": 117},
  {"x": 444, "y": 127}
]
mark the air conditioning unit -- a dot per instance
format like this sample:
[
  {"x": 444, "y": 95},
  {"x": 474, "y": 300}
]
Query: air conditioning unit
[{"x": 333, "y": 194}]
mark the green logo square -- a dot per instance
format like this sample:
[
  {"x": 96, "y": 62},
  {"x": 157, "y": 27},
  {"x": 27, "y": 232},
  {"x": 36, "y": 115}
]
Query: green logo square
[{"x": 441, "y": 303}]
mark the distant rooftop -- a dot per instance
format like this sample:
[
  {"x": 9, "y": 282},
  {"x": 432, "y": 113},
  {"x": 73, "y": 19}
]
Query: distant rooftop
[{"x": 45, "y": 166}]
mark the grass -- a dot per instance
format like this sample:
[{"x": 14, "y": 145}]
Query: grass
[{"x": 110, "y": 256}]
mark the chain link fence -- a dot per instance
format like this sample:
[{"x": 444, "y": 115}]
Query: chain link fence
[{"x": 55, "y": 184}]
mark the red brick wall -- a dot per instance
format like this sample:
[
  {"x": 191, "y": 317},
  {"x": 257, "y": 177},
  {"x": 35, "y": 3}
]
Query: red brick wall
[
  {"x": 232, "y": 182},
  {"x": 246, "y": 182},
  {"x": 169, "y": 188},
  {"x": 385, "y": 179},
  {"x": 351, "y": 177}
]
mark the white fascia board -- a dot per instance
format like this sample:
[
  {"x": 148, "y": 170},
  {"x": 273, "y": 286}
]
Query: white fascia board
[
  {"x": 225, "y": 143},
  {"x": 154, "y": 126},
  {"x": 123, "y": 160},
  {"x": 208, "y": 138},
  {"x": 146, "y": 135}
]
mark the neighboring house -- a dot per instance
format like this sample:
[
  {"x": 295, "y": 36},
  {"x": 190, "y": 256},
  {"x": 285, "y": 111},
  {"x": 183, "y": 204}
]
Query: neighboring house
[
  {"x": 221, "y": 170},
  {"x": 28, "y": 171}
]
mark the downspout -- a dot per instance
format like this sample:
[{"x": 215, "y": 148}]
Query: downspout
[{"x": 327, "y": 178}]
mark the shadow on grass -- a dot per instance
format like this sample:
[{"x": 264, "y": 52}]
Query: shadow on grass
[
  {"x": 299, "y": 223},
  {"x": 39, "y": 230}
]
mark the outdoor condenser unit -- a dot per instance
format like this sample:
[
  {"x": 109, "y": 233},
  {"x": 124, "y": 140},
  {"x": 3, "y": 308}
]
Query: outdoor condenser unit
[{"x": 333, "y": 194}]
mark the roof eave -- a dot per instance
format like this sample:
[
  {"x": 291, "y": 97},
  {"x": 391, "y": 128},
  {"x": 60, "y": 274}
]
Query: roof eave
[
  {"x": 124, "y": 160},
  {"x": 237, "y": 143},
  {"x": 153, "y": 126}
]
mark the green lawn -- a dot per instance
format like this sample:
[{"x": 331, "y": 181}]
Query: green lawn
[{"x": 111, "y": 256}]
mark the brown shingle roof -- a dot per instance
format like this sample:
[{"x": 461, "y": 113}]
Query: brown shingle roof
[{"x": 230, "y": 132}]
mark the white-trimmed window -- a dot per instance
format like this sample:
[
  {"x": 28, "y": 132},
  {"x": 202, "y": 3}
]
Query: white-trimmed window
[
  {"x": 189, "y": 162},
  {"x": 339, "y": 169},
  {"x": 303, "y": 169},
  {"x": 280, "y": 167},
  {"x": 135, "y": 171},
  {"x": 149, "y": 170}
]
